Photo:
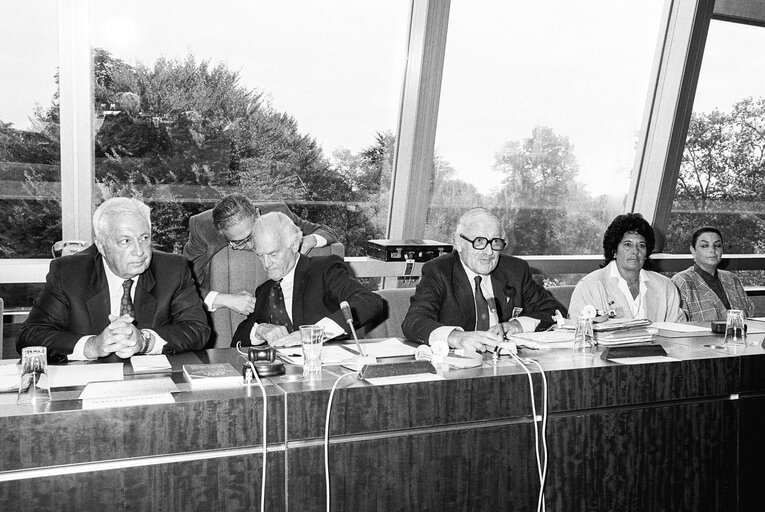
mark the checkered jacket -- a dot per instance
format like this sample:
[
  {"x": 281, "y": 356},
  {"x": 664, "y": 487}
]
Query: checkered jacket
[{"x": 700, "y": 303}]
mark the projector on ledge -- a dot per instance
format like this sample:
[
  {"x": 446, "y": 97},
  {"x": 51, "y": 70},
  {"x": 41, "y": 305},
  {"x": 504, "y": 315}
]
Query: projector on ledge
[{"x": 406, "y": 250}]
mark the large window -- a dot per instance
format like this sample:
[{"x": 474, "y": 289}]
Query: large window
[
  {"x": 722, "y": 176},
  {"x": 289, "y": 101},
  {"x": 541, "y": 106},
  {"x": 30, "y": 206}
]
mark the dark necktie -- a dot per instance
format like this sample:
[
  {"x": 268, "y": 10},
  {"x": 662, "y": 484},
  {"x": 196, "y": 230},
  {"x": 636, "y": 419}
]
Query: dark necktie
[
  {"x": 481, "y": 308},
  {"x": 277, "y": 311},
  {"x": 126, "y": 304}
]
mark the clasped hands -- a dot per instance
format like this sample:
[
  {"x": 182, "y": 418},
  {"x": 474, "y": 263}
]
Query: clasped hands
[
  {"x": 480, "y": 341},
  {"x": 120, "y": 337}
]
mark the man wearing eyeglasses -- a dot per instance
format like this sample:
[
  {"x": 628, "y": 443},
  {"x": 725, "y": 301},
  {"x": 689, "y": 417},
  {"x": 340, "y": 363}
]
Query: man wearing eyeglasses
[
  {"x": 230, "y": 223},
  {"x": 472, "y": 297}
]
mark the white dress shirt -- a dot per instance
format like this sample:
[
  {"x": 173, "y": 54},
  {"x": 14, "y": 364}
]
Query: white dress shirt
[
  {"x": 636, "y": 304},
  {"x": 115, "y": 298},
  {"x": 331, "y": 328},
  {"x": 441, "y": 334}
]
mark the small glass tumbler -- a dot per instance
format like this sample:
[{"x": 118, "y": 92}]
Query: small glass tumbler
[
  {"x": 33, "y": 386},
  {"x": 311, "y": 337},
  {"x": 735, "y": 334},
  {"x": 583, "y": 339}
]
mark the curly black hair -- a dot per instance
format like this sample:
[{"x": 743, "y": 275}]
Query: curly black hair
[{"x": 627, "y": 223}]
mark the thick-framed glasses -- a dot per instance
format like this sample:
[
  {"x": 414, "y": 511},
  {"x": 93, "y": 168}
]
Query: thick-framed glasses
[
  {"x": 239, "y": 244},
  {"x": 479, "y": 243}
]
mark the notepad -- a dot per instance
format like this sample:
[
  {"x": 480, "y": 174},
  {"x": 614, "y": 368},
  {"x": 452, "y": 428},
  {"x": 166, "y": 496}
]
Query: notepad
[{"x": 150, "y": 363}]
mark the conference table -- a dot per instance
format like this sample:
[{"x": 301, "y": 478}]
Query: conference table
[{"x": 682, "y": 434}]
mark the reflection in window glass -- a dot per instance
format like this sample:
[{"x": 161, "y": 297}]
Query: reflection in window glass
[
  {"x": 541, "y": 105},
  {"x": 722, "y": 175},
  {"x": 288, "y": 101},
  {"x": 30, "y": 190}
]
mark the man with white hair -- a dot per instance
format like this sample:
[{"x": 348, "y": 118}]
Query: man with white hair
[
  {"x": 469, "y": 298},
  {"x": 119, "y": 296},
  {"x": 300, "y": 290}
]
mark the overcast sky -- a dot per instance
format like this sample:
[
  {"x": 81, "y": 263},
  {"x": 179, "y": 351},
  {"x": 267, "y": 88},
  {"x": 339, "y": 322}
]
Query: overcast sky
[{"x": 337, "y": 66}]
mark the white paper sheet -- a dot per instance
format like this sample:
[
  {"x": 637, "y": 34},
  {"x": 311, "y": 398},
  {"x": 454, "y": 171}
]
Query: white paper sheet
[
  {"x": 391, "y": 347},
  {"x": 81, "y": 374},
  {"x": 127, "y": 401},
  {"x": 9, "y": 376},
  {"x": 150, "y": 363},
  {"x": 330, "y": 354},
  {"x": 404, "y": 379},
  {"x": 681, "y": 327},
  {"x": 644, "y": 360},
  {"x": 136, "y": 387}
]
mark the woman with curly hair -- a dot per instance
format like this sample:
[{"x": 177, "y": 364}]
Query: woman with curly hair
[
  {"x": 623, "y": 288},
  {"x": 706, "y": 293}
]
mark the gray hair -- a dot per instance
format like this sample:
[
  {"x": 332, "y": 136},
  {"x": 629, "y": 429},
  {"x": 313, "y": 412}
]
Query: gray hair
[
  {"x": 117, "y": 206},
  {"x": 471, "y": 216},
  {"x": 277, "y": 222}
]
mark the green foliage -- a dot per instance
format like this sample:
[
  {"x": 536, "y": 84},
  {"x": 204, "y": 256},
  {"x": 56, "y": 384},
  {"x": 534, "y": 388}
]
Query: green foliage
[{"x": 722, "y": 179}]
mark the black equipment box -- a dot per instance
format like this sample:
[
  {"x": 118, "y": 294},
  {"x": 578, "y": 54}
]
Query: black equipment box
[{"x": 403, "y": 250}]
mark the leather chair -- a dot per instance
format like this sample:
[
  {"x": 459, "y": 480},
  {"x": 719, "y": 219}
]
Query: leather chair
[{"x": 235, "y": 271}]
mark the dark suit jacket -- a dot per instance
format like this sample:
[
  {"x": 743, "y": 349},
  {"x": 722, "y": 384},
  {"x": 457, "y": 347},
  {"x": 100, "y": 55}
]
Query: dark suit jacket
[
  {"x": 321, "y": 284},
  {"x": 75, "y": 302},
  {"x": 205, "y": 241},
  {"x": 444, "y": 296}
]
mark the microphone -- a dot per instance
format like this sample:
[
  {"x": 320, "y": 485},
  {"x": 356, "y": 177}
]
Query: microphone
[{"x": 346, "y": 309}]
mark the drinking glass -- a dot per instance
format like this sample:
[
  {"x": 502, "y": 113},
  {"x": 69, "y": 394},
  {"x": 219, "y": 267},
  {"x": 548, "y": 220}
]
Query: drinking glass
[
  {"x": 735, "y": 334},
  {"x": 33, "y": 386},
  {"x": 583, "y": 339},
  {"x": 311, "y": 337}
]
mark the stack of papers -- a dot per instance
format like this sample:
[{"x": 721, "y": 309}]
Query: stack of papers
[
  {"x": 625, "y": 337},
  {"x": 561, "y": 338}
]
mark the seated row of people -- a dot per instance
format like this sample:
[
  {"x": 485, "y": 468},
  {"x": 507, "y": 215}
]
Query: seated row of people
[
  {"x": 122, "y": 297},
  {"x": 623, "y": 288}
]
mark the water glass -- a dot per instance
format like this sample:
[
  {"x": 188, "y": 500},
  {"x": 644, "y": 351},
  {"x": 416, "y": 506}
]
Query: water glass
[
  {"x": 735, "y": 334},
  {"x": 311, "y": 337},
  {"x": 583, "y": 339},
  {"x": 33, "y": 386}
]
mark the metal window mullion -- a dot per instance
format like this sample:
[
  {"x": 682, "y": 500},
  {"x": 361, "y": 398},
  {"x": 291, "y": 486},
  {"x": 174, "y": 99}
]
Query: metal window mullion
[{"x": 76, "y": 120}]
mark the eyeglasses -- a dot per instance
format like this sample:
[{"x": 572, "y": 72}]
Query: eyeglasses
[
  {"x": 239, "y": 244},
  {"x": 479, "y": 243}
]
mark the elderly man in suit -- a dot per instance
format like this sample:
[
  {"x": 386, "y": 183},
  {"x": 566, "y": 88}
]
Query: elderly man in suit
[
  {"x": 118, "y": 296},
  {"x": 469, "y": 298},
  {"x": 300, "y": 290},
  {"x": 230, "y": 223}
]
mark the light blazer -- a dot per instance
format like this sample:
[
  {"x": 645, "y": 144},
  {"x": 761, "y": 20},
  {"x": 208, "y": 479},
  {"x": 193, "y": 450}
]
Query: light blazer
[
  {"x": 701, "y": 303},
  {"x": 205, "y": 241},
  {"x": 74, "y": 302},
  {"x": 599, "y": 289},
  {"x": 444, "y": 296},
  {"x": 321, "y": 284}
]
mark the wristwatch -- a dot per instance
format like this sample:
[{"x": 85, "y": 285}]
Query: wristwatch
[{"x": 148, "y": 338}]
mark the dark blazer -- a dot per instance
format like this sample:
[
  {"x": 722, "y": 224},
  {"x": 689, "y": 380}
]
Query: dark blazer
[
  {"x": 444, "y": 296},
  {"x": 205, "y": 241},
  {"x": 75, "y": 302},
  {"x": 321, "y": 284}
]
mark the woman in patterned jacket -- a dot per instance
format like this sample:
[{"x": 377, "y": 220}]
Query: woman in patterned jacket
[{"x": 706, "y": 293}]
